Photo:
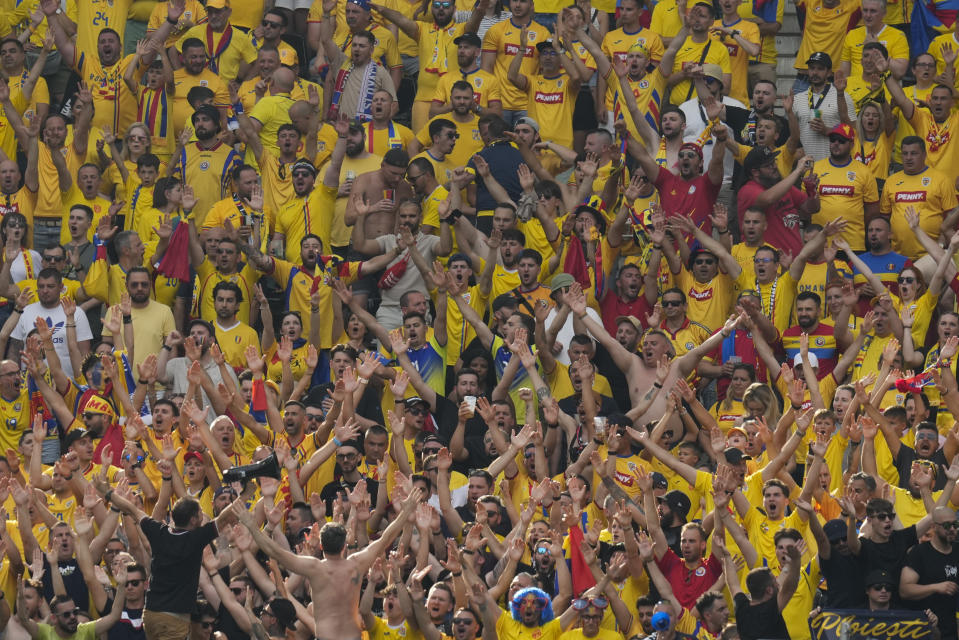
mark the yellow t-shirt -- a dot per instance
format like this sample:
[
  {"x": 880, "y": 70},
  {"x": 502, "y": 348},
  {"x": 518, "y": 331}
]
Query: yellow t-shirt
[
  {"x": 509, "y": 629},
  {"x": 92, "y": 16},
  {"x": 931, "y": 193},
  {"x": 666, "y": 20},
  {"x": 466, "y": 146},
  {"x": 229, "y": 49},
  {"x": 486, "y": 88},
  {"x": 767, "y": 52},
  {"x": 183, "y": 82},
  {"x": 305, "y": 215},
  {"x": 842, "y": 193},
  {"x": 234, "y": 341},
  {"x": 820, "y": 31},
  {"x": 394, "y": 136},
  {"x": 942, "y": 150},
  {"x": 893, "y": 39},
  {"x": 550, "y": 102},
  {"x": 692, "y": 53},
  {"x": 503, "y": 40},
  {"x": 708, "y": 303},
  {"x": 206, "y": 170},
  {"x": 435, "y": 51},
  {"x": 193, "y": 12},
  {"x": 777, "y": 297},
  {"x": 738, "y": 58},
  {"x": 115, "y": 107},
  {"x": 272, "y": 112},
  {"x": 16, "y": 418},
  {"x": 207, "y": 277}
]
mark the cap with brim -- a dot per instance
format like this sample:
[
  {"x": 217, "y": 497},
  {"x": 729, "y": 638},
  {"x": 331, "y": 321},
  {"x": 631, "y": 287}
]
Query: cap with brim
[
  {"x": 820, "y": 57},
  {"x": 192, "y": 455},
  {"x": 713, "y": 71},
  {"x": 75, "y": 435},
  {"x": 692, "y": 146},
  {"x": 470, "y": 39},
  {"x": 599, "y": 217},
  {"x": 678, "y": 502},
  {"x": 735, "y": 456},
  {"x": 813, "y": 360},
  {"x": 413, "y": 401},
  {"x": 224, "y": 489},
  {"x": 362, "y": 4},
  {"x": 879, "y": 576},
  {"x": 759, "y": 157},
  {"x": 561, "y": 281},
  {"x": 843, "y": 130},
  {"x": 218, "y": 4},
  {"x": 835, "y": 529},
  {"x": 633, "y": 320},
  {"x": 739, "y": 430},
  {"x": 529, "y": 122},
  {"x": 545, "y": 44},
  {"x": 659, "y": 480}
]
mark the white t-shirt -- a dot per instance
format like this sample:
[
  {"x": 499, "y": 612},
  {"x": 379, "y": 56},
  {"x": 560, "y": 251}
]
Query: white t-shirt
[
  {"x": 566, "y": 333},
  {"x": 56, "y": 319},
  {"x": 18, "y": 268}
]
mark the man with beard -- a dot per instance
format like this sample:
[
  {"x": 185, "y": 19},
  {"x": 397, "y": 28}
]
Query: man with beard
[
  {"x": 684, "y": 332},
  {"x": 357, "y": 162},
  {"x": 930, "y": 576},
  {"x": 486, "y": 89},
  {"x": 234, "y": 334},
  {"x": 346, "y": 476},
  {"x": 616, "y": 45},
  {"x": 173, "y": 371},
  {"x": 822, "y": 337},
  {"x": 230, "y": 54},
  {"x": 407, "y": 234},
  {"x": 785, "y": 205},
  {"x": 694, "y": 54},
  {"x": 237, "y": 207},
  {"x": 14, "y": 405},
  {"x": 358, "y": 19},
  {"x": 382, "y": 133},
  {"x": 14, "y": 197},
  {"x": 623, "y": 298},
  {"x": 847, "y": 188},
  {"x": 435, "y": 42},
  {"x": 152, "y": 321},
  {"x": 308, "y": 212},
  {"x": 195, "y": 73},
  {"x": 352, "y": 81},
  {"x": 115, "y": 108},
  {"x": 49, "y": 309},
  {"x": 64, "y": 612},
  {"x": 463, "y": 116},
  {"x": 885, "y": 263},
  {"x": 691, "y": 191},
  {"x": 763, "y": 103},
  {"x": 206, "y": 163},
  {"x": 821, "y": 107}
]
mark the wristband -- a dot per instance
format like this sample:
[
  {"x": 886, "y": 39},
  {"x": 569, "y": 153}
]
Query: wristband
[
  {"x": 168, "y": 347},
  {"x": 127, "y": 319},
  {"x": 17, "y": 310},
  {"x": 213, "y": 574},
  {"x": 143, "y": 382},
  {"x": 74, "y": 326},
  {"x": 796, "y": 407},
  {"x": 172, "y": 21},
  {"x": 114, "y": 509},
  {"x": 457, "y": 574},
  {"x": 722, "y": 231},
  {"x": 401, "y": 401},
  {"x": 363, "y": 380},
  {"x": 552, "y": 426},
  {"x": 469, "y": 552},
  {"x": 337, "y": 442},
  {"x": 657, "y": 385},
  {"x": 598, "y": 442},
  {"x": 238, "y": 108},
  {"x": 107, "y": 495}
]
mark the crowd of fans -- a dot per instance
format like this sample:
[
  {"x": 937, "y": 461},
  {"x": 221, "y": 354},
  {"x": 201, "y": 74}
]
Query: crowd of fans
[{"x": 439, "y": 319}]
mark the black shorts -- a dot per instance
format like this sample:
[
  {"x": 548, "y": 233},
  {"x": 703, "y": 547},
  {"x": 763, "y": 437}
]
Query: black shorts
[{"x": 584, "y": 111}]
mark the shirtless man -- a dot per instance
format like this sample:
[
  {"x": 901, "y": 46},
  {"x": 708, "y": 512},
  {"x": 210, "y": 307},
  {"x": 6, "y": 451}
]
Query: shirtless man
[
  {"x": 382, "y": 190},
  {"x": 640, "y": 369},
  {"x": 336, "y": 580}
]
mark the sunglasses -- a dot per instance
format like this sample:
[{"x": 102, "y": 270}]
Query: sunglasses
[
  {"x": 417, "y": 411},
  {"x": 429, "y": 452},
  {"x": 582, "y": 603},
  {"x": 925, "y": 435},
  {"x": 73, "y": 613},
  {"x": 543, "y": 550},
  {"x": 672, "y": 303},
  {"x": 906, "y": 279},
  {"x": 412, "y": 179},
  {"x": 442, "y": 5},
  {"x": 884, "y": 516},
  {"x": 89, "y": 416},
  {"x": 313, "y": 417},
  {"x": 54, "y": 258},
  {"x": 134, "y": 583},
  {"x": 953, "y": 524},
  {"x": 463, "y": 620},
  {"x": 882, "y": 587},
  {"x": 704, "y": 261},
  {"x": 270, "y": 23}
]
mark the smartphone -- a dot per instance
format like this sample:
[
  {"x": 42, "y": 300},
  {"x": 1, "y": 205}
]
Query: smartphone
[
  {"x": 599, "y": 425},
  {"x": 471, "y": 402}
]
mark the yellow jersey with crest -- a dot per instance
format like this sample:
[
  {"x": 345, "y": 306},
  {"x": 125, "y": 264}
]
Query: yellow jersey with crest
[{"x": 503, "y": 39}]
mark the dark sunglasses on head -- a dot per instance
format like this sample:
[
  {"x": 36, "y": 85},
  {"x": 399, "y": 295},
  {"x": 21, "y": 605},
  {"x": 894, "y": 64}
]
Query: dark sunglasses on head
[{"x": 582, "y": 603}]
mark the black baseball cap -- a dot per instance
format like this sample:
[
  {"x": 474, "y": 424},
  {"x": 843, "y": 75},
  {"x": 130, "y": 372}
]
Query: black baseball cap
[
  {"x": 678, "y": 502},
  {"x": 470, "y": 39},
  {"x": 820, "y": 57},
  {"x": 759, "y": 157},
  {"x": 835, "y": 529}
]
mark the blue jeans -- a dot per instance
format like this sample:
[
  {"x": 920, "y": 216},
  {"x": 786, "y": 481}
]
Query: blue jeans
[{"x": 512, "y": 115}]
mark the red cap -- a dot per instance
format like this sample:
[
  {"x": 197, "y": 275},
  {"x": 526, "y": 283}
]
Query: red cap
[
  {"x": 844, "y": 130},
  {"x": 192, "y": 455},
  {"x": 693, "y": 146}
]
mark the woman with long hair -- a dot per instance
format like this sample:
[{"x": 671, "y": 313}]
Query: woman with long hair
[
  {"x": 875, "y": 134},
  {"x": 135, "y": 143},
  {"x": 14, "y": 231}
]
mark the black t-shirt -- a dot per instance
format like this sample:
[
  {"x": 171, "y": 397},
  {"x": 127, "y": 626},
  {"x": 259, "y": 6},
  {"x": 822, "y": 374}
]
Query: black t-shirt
[
  {"x": 888, "y": 555},
  {"x": 175, "y": 566},
  {"x": 760, "y": 621},
  {"x": 932, "y": 567},
  {"x": 332, "y": 488},
  {"x": 907, "y": 455},
  {"x": 73, "y": 581},
  {"x": 844, "y": 579},
  {"x": 614, "y": 375}
]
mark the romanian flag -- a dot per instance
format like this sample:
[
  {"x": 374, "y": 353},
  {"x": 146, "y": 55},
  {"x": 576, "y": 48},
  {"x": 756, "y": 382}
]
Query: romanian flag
[{"x": 928, "y": 19}]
